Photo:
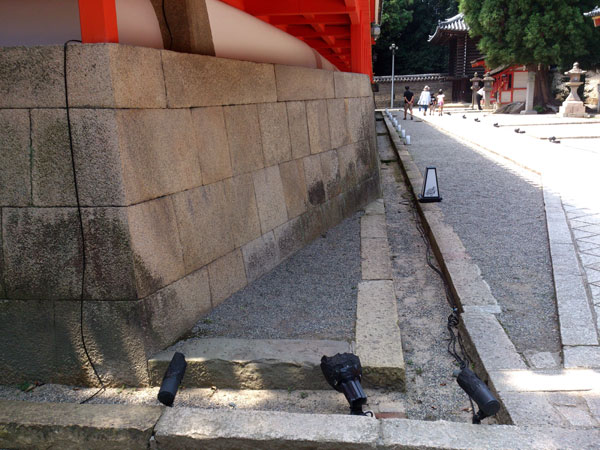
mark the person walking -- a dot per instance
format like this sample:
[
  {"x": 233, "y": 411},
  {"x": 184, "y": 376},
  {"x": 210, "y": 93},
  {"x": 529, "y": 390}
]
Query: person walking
[
  {"x": 424, "y": 100},
  {"x": 480, "y": 95},
  {"x": 409, "y": 99},
  {"x": 440, "y": 101}
]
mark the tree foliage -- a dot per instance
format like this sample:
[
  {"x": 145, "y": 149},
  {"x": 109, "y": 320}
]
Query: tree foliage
[
  {"x": 532, "y": 31},
  {"x": 408, "y": 24}
]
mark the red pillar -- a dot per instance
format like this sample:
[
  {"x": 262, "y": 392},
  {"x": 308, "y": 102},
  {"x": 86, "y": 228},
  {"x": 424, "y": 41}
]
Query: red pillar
[{"x": 98, "y": 21}]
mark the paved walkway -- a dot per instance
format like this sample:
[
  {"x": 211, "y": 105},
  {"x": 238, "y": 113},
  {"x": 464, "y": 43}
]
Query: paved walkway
[{"x": 538, "y": 393}]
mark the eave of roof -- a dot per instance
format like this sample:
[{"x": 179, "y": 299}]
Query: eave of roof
[
  {"x": 453, "y": 26},
  {"x": 593, "y": 13}
]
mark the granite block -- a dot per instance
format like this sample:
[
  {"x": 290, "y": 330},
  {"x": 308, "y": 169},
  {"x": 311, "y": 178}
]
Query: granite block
[
  {"x": 42, "y": 253},
  {"x": 204, "y": 229},
  {"x": 198, "y": 80},
  {"x": 302, "y": 83},
  {"x": 51, "y": 165},
  {"x": 243, "y": 212},
  {"x": 290, "y": 237},
  {"x": 270, "y": 198},
  {"x": 313, "y": 175},
  {"x": 331, "y": 173},
  {"x": 318, "y": 126},
  {"x": 260, "y": 256},
  {"x": 274, "y": 133},
  {"x": 227, "y": 275},
  {"x": 338, "y": 124},
  {"x": 298, "y": 129},
  {"x": 294, "y": 186},
  {"x": 352, "y": 85},
  {"x": 15, "y": 181},
  {"x": 245, "y": 145},
  {"x": 212, "y": 143}
]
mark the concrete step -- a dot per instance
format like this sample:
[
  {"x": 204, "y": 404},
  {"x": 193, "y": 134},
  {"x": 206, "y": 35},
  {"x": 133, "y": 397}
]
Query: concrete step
[{"x": 250, "y": 363}]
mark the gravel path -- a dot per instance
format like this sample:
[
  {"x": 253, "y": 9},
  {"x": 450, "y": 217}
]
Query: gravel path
[
  {"x": 312, "y": 295},
  {"x": 499, "y": 216}
]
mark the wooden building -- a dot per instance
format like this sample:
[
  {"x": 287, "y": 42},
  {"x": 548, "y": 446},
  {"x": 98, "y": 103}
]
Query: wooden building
[{"x": 462, "y": 49}]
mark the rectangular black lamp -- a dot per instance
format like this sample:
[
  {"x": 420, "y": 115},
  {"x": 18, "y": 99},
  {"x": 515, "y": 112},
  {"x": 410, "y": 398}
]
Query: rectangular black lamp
[{"x": 431, "y": 191}]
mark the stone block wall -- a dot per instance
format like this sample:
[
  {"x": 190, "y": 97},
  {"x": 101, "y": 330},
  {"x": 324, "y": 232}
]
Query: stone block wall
[{"x": 196, "y": 175}]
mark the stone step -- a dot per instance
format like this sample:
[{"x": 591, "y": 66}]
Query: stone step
[{"x": 250, "y": 363}]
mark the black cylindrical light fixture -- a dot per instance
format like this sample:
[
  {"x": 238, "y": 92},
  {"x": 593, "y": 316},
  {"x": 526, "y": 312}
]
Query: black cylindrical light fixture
[
  {"x": 172, "y": 379},
  {"x": 479, "y": 392}
]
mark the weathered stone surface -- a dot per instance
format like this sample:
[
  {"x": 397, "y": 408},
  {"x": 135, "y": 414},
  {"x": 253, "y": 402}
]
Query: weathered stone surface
[
  {"x": 375, "y": 258},
  {"x": 157, "y": 251},
  {"x": 97, "y": 157},
  {"x": 314, "y": 224},
  {"x": 174, "y": 309},
  {"x": 493, "y": 346},
  {"x": 348, "y": 160},
  {"x": 158, "y": 152},
  {"x": 577, "y": 417},
  {"x": 197, "y": 80},
  {"x": 243, "y": 132},
  {"x": 373, "y": 226},
  {"x": 338, "y": 124},
  {"x": 211, "y": 140},
  {"x": 333, "y": 212},
  {"x": 274, "y": 133},
  {"x": 331, "y": 173},
  {"x": 227, "y": 276},
  {"x": 270, "y": 198},
  {"x": 289, "y": 237},
  {"x": 115, "y": 76},
  {"x": 298, "y": 129},
  {"x": 313, "y": 175},
  {"x": 260, "y": 256},
  {"x": 51, "y": 166},
  {"x": 188, "y": 428},
  {"x": 109, "y": 259},
  {"x": 245, "y": 224},
  {"x": 74, "y": 426},
  {"x": 470, "y": 287},
  {"x": 363, "y": 161},
  {"x": 302, "y": 83},
  {"x": 294, "y": 186},
  {"x": 378, "y": 340},
  {"x": 548, "y": 380},
  {"x": 27, "y": 329},
  {"x": 318, "y": 126},
  {"x": 32, "y": 77},
  {"x": 351, "y": 85},
  {"x": 356, "y": 121},
  {"x": 204, "y": 229},
  {"x": 15, "y": 182},
  {"x": 582, "y": 356},
  {"x": 375, "y": 208},
  {"x": 413, "y": 434},
  {"x": 42, "y": 253},
  {"x": 531, "y": 408},
  {"x": 250, "y": 363}
]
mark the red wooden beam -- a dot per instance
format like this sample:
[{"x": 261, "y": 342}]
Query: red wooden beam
[
  {"x": 305, "y": 31},
  {"x": 98, "y": 21},
  {"x": 293, "y": 7},
  {"x": 318, "y": 43},
  {"x": 325, "y": 19}
]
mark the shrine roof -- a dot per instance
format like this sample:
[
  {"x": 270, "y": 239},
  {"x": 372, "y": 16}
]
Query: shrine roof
[{"x": 450, "y": 27}]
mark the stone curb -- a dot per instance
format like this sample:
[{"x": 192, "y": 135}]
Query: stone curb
[{"x": 73, "y": 426}]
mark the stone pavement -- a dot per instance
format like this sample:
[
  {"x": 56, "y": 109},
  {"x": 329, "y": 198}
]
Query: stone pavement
[{"x": 532, "y": 389}]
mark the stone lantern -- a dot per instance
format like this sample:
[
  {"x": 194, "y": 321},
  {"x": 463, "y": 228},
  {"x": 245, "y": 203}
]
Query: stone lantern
[
  {"x": 573, "y": 106},
  {"x": 474, "y": 87},
  {"x": 488, "y": 84}
]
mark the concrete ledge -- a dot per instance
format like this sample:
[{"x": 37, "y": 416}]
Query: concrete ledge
[
  {"x": 378, "y": 339},
  {"x": 187, "y": 428},
  {"x": 250, "y": 364},
  {"x": 74, "y": 426}
]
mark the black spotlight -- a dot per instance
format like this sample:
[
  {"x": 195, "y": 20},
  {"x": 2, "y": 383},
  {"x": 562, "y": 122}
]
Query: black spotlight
[
  {"x": 172, "y": 379},
  {"x": 344, "y": 372},
  {"x": 480, "y": 393}
]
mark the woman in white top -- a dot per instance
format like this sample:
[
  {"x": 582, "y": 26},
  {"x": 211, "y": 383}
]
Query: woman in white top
[{"x": 424, "y": 100}]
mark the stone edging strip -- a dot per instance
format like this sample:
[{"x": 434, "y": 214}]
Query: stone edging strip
[
  {"x": 378, "y": 339},
  {"x": 73, "y": 426}
]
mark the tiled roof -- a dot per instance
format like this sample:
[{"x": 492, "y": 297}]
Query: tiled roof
[
  {"x": 412, "y": 77},
  {"x": 454, "y": 24},
  {"x": 593, "y": 13}
]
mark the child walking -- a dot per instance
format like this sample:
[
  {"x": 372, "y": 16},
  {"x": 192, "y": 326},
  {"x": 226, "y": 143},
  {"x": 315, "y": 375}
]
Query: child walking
[{"x": 440, "y": 101}]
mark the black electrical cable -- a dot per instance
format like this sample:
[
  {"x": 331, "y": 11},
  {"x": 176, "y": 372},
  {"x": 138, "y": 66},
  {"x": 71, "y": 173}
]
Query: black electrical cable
[
  {"x": 453, "y": 319},
  {"x": 83, "y": 260},
  {"x": 167, "y": 25}
]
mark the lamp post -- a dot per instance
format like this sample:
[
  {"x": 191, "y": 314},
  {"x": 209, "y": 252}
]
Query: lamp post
[
  {"x": 573, "y": 106},
  {"x": 488, "y": 85},
  {"x": 393, "y": 49}
]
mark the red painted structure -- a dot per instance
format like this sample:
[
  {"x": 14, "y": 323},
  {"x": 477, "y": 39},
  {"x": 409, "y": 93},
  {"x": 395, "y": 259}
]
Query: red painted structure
[
  {"x": 340, "y": 30},
  {"x": 504, "y": 89}
]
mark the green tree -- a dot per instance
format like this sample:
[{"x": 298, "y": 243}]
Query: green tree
[
  {"x": 408, "y": 24},
  {"x": 536, "y": 33}
]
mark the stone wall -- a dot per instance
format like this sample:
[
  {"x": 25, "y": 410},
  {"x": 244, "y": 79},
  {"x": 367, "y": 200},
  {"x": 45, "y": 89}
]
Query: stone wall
[
  {"x": 382, "y": 98},
  {"x": 196, "y": 175}
]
